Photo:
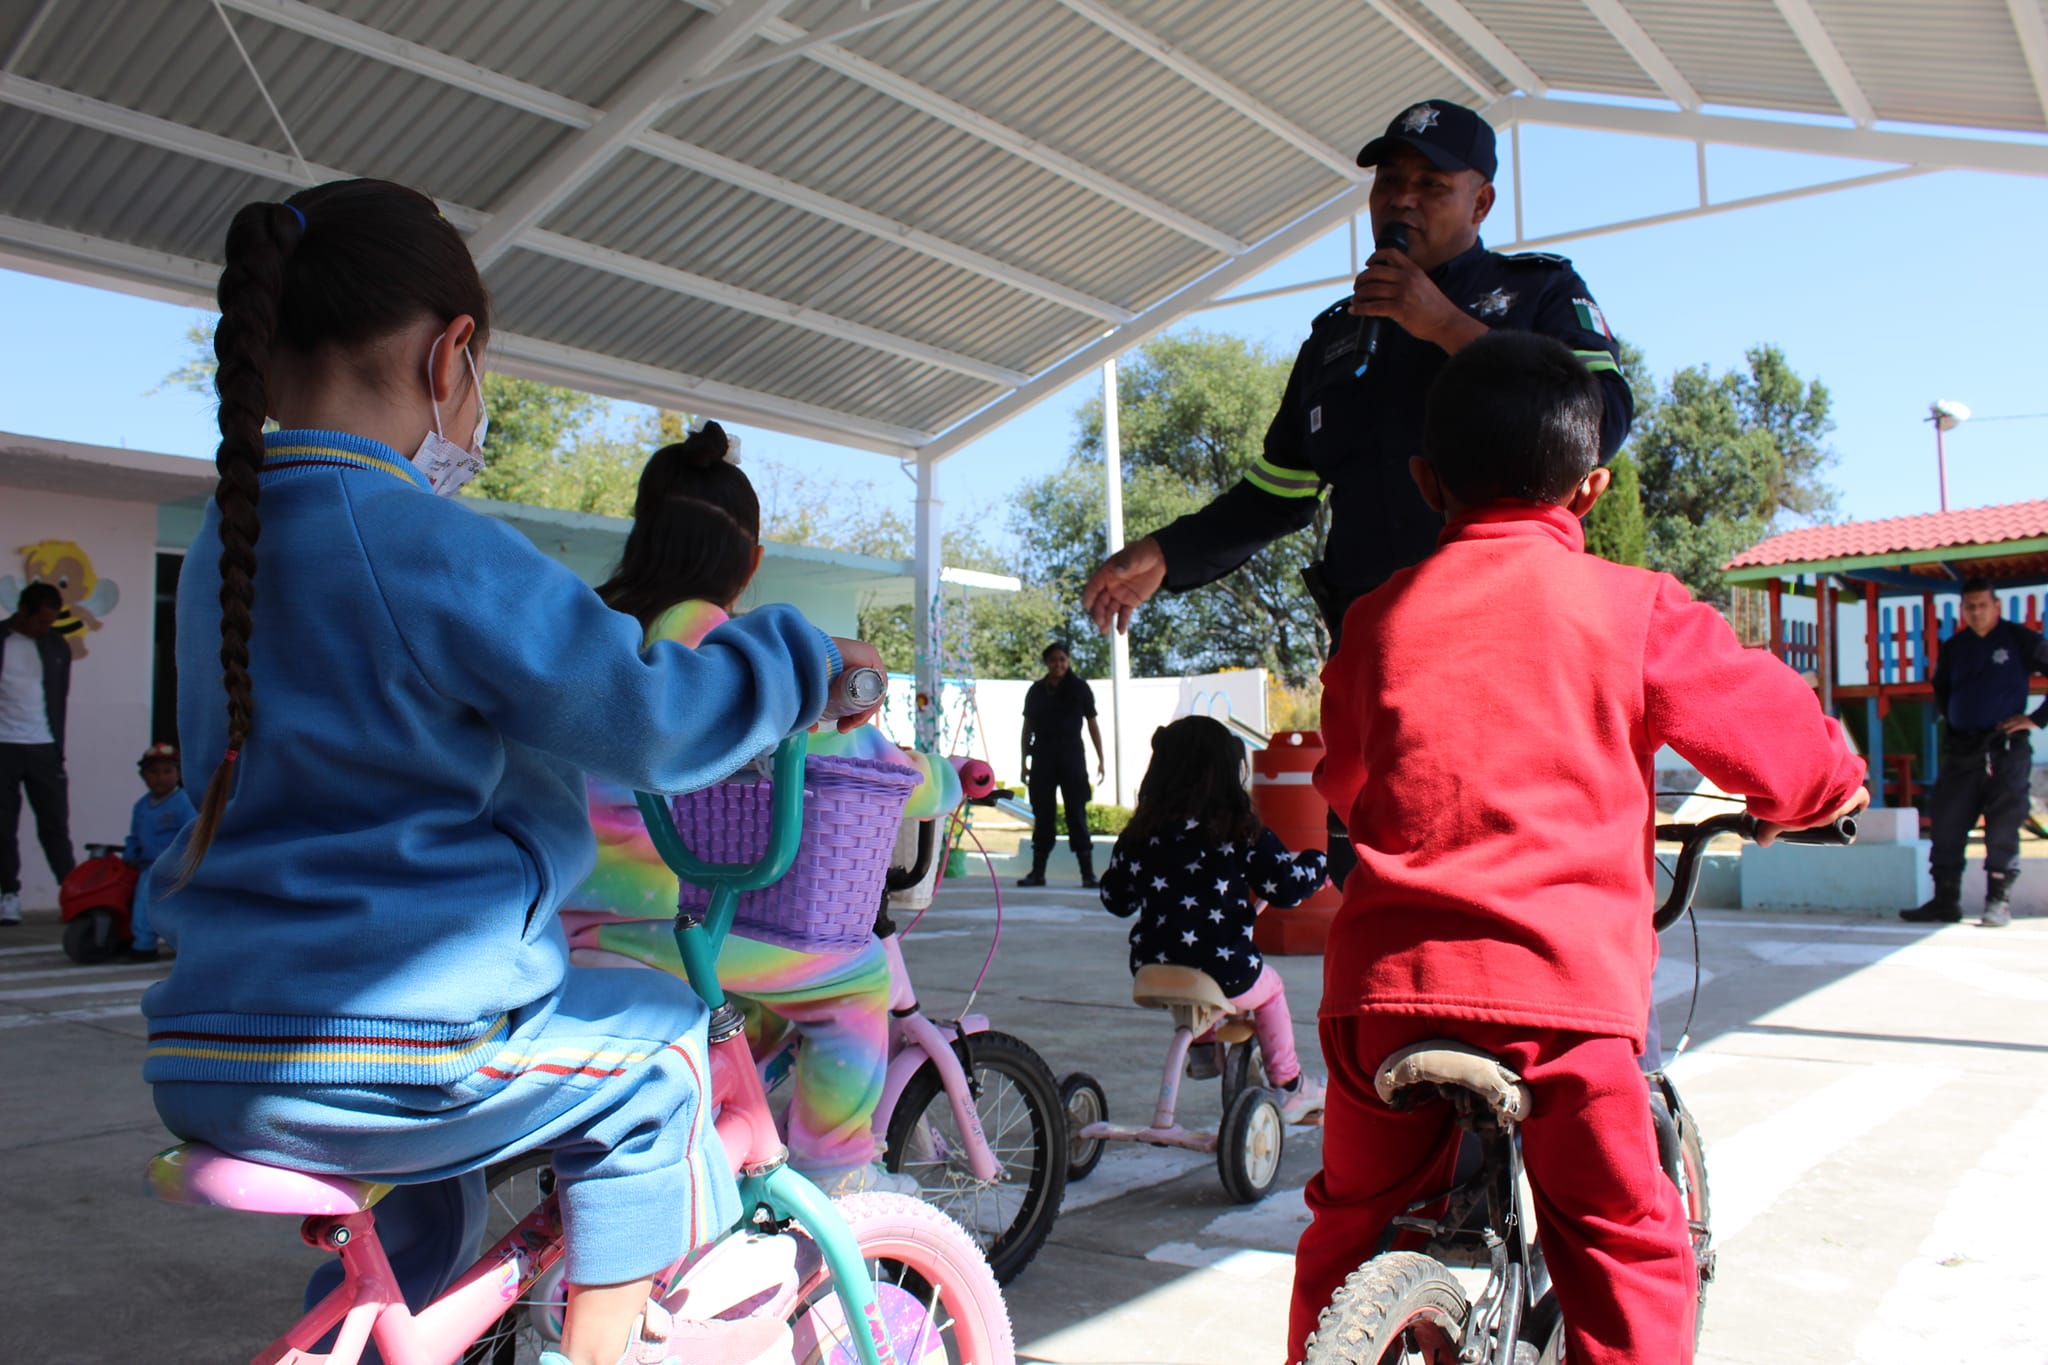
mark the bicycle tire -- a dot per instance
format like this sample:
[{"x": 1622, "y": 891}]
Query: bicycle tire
[
  {"x": 1025, "y": 1123},
  {"x": 1251, "y": 1144},
  {"x": 1244, "y": 1067},
  {"x": 921, "y": 1251},
  {"x": 1699, "y": 1209},
  {"x": 1395, "y": 1307}
]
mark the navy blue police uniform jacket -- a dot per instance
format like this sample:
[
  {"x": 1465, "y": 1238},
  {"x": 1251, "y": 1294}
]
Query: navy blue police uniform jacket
[{"x": 1354, "y": 435}]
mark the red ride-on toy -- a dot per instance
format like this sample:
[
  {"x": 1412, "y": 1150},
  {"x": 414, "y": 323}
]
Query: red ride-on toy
[{"x": 97, "y": 899}]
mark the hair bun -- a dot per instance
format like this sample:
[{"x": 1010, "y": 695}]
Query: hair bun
[{"x": 705, "y": 446}]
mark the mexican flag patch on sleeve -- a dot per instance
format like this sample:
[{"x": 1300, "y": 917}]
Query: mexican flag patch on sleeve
[{"x": 1591, "y": 318}]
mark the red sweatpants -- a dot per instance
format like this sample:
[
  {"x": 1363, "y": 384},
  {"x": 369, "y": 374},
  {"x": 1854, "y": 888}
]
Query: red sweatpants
[{"x": 1613, "y": 1230}]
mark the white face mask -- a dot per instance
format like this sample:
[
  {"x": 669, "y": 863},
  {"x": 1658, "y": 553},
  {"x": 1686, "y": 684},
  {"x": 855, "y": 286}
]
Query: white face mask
[{"x": 446, "y": 465}]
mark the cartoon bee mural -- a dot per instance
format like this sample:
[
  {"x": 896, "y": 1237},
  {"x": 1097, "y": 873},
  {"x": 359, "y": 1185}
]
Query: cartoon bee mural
[{"x": 67, "y": 568}]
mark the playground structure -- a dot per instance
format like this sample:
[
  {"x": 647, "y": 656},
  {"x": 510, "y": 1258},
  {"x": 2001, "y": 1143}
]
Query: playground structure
[{"x": 1862, "y": 608}]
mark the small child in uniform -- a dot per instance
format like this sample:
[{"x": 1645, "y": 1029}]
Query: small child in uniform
[
  {"x": 159, "y": 814},
  {"x": 694, "y": 547},
  {"x": 1490, "y": 721},
  {"x": 1193, "y": 865}
]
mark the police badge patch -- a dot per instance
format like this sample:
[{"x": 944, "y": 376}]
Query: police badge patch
[
  {"x": 1419, "y": 119},
  {"x": 1493, "y": 305}
]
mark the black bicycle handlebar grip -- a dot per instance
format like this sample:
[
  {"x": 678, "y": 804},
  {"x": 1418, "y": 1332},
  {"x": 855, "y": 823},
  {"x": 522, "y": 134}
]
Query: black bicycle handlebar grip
[{"x": 1839, "y": 832}]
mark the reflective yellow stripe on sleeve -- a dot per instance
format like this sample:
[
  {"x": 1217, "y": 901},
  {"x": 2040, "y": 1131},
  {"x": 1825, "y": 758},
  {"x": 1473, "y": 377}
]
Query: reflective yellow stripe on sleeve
[
  {"x": 1597, "y": 361},
  {"x": 1268, "y": 477}
]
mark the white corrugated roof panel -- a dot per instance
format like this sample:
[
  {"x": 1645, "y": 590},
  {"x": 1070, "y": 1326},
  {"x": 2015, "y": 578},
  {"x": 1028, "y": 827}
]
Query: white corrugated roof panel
[{"x": 922, "y": 219}]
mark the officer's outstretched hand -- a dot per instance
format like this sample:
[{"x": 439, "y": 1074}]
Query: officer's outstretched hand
[
  {"x": 1124, "y": 582},
  {"x": 1393, "y": 286}
]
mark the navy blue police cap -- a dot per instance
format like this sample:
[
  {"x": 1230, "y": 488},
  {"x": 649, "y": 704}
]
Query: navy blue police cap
[{"x": 1453, "y": 138}]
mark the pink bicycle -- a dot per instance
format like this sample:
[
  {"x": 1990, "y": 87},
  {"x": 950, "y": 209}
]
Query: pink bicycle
[{"x": 876, "y": 1279}]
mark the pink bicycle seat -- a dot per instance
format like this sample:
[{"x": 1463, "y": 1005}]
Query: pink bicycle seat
[{"x": 194, "y": 1173}]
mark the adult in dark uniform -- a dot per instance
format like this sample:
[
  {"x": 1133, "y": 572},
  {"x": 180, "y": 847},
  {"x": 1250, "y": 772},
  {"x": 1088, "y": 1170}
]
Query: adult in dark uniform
[
  {"x": 1353, "y": 432},
  {"x": 1987, "y": 755},
  {"x": 1055, "y": 768}
]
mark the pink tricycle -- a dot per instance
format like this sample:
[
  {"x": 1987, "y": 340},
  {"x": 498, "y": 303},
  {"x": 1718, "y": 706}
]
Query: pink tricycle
[{"x": 1247, "y": 1143}]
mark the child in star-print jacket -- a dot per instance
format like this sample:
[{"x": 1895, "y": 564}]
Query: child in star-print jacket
[{"x": 1194, "y": 865}]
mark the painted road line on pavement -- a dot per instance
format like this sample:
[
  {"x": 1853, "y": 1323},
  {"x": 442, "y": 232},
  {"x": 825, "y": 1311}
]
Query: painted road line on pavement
[
  {"x": 1239, "y": 1263},
  {"x": 1127, "y": 1168},
  {"x": 89, "y": 988},
  {"x": 52, "y": 973},
  {"x": 132, "y": 1010},
  {"x": 1749, "y": 1170},
  {"x": 1983, "y": 1253},
  {"x": 1275, "y": 1223},
  {"x": 32, "y": 948}
]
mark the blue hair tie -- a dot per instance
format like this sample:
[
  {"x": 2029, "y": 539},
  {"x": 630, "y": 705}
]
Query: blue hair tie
[{"x": 294, "y": 208}]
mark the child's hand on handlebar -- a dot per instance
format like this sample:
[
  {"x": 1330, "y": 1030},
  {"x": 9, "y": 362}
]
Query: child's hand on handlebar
[
  {"x": 1768, "y": 831},
  {"x": 855, "y": 654}
]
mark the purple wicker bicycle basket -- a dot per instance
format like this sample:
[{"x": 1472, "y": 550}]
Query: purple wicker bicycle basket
[{"x": 826, "y": 902}]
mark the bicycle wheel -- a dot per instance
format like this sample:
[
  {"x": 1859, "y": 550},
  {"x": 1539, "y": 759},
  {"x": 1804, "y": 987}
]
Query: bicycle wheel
[
  {"x": 1081, "y": 1096},
  {"x": 533, "y": 1324},
  {"x": 1249, "y": 1146},
  {"x": 1025, "y": 1125},
  {"x": 938, "y": 1298},
  {"x": 1692, "y": 1187},
  {"x": 1399, "y": 1307},
  {"x": 1244, "y": 1067}
]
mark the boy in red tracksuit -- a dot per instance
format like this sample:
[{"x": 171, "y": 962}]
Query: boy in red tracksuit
[{"x": 1490, "y": 721}]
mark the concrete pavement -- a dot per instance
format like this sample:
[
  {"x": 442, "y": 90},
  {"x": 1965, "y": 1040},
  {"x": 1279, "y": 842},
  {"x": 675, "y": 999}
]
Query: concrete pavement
[{"x": 1871, "y": 1094}]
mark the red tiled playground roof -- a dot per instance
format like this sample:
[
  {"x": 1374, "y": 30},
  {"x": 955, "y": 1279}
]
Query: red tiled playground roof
[{"x": 1975, "y": 529}]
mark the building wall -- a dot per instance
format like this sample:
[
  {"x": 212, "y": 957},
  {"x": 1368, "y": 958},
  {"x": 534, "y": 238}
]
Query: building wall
[{"x": 110, "y": 686}]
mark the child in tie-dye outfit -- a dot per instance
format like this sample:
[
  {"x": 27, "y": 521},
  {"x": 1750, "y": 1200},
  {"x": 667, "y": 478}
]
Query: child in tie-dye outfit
[{"x": 694, "y": 546}]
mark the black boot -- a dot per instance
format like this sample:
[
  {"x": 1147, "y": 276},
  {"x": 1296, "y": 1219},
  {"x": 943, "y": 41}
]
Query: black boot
[
  {"x": 1947, "y": 905},
  {"x": 1998, "y": 898},
  {"x": 1036, "y": 876},
  {"x": 1086, "y": 858}
]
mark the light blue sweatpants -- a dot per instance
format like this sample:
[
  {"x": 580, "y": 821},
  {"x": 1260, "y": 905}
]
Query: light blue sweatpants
[{"x": 610, "y": 1075}]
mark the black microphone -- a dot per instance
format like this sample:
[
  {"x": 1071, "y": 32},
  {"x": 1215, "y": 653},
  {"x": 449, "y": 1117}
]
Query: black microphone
[{"x": 1393, "y": 237}]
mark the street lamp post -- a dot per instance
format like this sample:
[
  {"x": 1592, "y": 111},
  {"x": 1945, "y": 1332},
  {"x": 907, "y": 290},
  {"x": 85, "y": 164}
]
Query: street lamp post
[{"x": 1947, "y": 415}]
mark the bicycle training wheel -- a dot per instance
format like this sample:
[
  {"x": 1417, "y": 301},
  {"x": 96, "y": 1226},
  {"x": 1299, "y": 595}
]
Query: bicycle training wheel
[
  {"x": 938, "y": 1298},
  {"x": 1025, "y": 1125},
  {"x": 1396, "y": 1308},
  {"x": 1081, "y": 1096},
  {"x": 533, "y": 1324}
]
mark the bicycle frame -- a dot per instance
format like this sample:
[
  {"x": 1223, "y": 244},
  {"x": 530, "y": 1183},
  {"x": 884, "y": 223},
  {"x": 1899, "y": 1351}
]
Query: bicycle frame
[{"x": 745, "y": 1124}]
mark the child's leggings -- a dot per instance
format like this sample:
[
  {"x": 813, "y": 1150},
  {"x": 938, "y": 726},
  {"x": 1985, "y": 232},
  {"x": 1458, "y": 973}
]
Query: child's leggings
[
  {"x": 609, "y": 1074},
  {"x": 838, "y": 1002},
  {"x": 1267, "y": 1001},
  {"x": 1614, "y": 1232}
]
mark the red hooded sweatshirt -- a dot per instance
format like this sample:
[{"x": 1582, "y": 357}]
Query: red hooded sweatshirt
[{"x": 1490, "y": 721}]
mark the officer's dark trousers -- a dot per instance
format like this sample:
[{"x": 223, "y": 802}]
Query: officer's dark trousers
[
  {"x": 1053, "y": 783},
  {"x": 1977, "y": 781},
  {"x": 37, "y": 769}
]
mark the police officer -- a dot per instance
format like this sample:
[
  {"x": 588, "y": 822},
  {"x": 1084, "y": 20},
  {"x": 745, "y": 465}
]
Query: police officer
[
  {"x": 1350, "y": 420},
  {"x": 1987, "y": 755},
  {"x": 1055, "y": 769}
]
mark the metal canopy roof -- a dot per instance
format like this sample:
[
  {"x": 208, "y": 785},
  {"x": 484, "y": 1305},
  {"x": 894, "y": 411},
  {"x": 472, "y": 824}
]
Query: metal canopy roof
[{"x": 895, "y": 223}]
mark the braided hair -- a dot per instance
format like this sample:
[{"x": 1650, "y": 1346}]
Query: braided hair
[
  {"x": 696, "y": 522},
  {"x": 317, "y": 278}
]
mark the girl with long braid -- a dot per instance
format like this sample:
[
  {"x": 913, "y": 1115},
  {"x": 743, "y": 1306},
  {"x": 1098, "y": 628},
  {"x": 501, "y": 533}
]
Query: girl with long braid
[{"x": 371, "y": 977}]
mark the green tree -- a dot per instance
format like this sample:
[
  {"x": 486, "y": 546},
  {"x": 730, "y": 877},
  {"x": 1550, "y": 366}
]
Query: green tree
[
  {"x": 1614, "y": 528},
  {"x": 1193, "y": 407},
  {"x": 1723, "y": 459}
]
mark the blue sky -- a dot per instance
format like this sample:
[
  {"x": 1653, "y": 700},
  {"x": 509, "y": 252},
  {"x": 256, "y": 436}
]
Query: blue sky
[{"x": 1893, "y": 295}]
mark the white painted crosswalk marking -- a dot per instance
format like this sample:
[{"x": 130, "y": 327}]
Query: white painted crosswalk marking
[
  {"x": 87, "y": 988},
  {"x": 1984, "y": 1249},
  {"x": 1748, "y": 1171},
  {"x": 77, "y": 1016}
]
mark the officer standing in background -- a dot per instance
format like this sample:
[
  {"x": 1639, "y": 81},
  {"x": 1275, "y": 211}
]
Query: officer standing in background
[
  {"x": 1352, "y": 414},
  {"x": 1055, "y": 768},
  {"x": 1987, "y": 755}
]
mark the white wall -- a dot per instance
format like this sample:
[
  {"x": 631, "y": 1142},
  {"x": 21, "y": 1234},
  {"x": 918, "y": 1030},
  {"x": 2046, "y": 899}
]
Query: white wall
[
  {"x": 110, "y": 687},
  {"x": 993, "y": 715}
]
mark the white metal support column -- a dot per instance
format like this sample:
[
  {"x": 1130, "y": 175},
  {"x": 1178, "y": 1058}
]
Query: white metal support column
[
  {"x": 1119, "y": 647},
  {"x": 929, "y": 612}
]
